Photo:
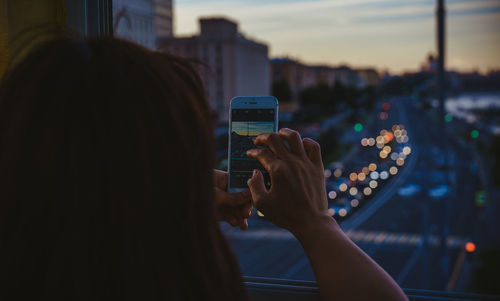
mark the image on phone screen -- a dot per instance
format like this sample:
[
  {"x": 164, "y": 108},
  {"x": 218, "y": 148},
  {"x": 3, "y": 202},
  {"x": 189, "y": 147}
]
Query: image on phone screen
[{"x": 246, "y": 125}]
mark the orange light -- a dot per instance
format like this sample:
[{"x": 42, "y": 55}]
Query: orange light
[
  {"x": 389, "y": 136},
  {"x": 470, "y": 247}
]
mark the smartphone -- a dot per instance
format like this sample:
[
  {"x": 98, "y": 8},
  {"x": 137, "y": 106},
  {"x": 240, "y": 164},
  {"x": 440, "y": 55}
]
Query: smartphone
[{"x": 249, "y": 116}]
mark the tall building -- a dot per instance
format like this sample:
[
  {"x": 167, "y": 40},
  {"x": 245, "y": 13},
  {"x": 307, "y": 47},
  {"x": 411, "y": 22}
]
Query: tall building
[
  {"x": 133, "y": 21},
  {"x": 163, "y": 19},
  {"x": 234, "y": 65},
  {"x": 143, "y": 21}
]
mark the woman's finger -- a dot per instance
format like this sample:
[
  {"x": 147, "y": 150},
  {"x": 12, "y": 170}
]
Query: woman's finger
[
  {"x": 233, "y": 221},
  {"x": 265, "y": 157},
  {"x": 244, "y": 224},
  {"x": 232, "y": 199},
  {"x": 294, "y": 141},
  {"x": 274, "y": 142},
  {"x": 246, "y": 210},
  {"x": 313, "y": 151},
  {"x": 257, "y": 188},
  {"x": 220, "y": 179}
]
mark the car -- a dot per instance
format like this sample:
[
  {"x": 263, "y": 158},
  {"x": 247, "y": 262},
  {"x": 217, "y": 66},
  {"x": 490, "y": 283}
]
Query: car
[
  {"x": 409, "y": 190},
  {"x": 439, "y": 191}
]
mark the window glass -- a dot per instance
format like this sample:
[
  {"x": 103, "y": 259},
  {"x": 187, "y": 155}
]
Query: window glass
[{"x": 411, "y": 157}]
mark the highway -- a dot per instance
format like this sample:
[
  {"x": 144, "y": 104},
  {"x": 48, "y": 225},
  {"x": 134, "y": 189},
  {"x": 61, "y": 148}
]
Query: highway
[{"x": 398, "y": 224}]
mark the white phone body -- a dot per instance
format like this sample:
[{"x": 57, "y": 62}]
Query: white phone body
[{"x": 255, "y": 113}]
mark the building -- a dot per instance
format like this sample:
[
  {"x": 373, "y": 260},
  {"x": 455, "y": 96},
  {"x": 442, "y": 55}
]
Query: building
[
  {"x": 163, "y": 19},
  {"x": 369, "y": 77},
  {"x": 300, "y": 76},
  {"x": 291, "y": 72},
  {"x": 234, "y": 65},
  {"x": 143, "y": 21},
  {"x": 133, "y": 21},
  {"x": 430, "y": 64}
]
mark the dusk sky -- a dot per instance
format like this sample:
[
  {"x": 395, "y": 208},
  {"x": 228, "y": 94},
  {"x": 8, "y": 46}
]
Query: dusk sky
[
  {"x": 252, "y": 128},
  {"x": 395, "y": 35}
]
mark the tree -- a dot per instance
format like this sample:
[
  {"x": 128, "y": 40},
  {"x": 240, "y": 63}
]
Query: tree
[
  {"x": 316, "y": 95},
  {"x": 281, "y": 90}
]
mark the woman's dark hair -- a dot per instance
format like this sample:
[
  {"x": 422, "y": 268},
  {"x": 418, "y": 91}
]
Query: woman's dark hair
[{"x": 106, "y": 190}]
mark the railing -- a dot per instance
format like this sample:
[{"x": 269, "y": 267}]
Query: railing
[{"x": 263, "y": 289}]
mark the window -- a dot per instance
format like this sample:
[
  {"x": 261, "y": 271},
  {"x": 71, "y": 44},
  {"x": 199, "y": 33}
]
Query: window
[
  {"x": 408, "y": 183},
  {"x": 412, "y": 177}
]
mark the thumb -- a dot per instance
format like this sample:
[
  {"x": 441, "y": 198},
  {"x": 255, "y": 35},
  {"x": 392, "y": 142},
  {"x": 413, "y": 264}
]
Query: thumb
[
  {"x": 231, "y": 199},
  {"x": 257, "y": 187}
]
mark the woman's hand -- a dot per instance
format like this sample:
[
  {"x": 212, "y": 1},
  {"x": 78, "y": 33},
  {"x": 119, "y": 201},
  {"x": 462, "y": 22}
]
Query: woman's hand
[
  {"x": 297, "y": 196},
  {"x": 297, "y": 202},
  {"x": 234, "y": 208}
]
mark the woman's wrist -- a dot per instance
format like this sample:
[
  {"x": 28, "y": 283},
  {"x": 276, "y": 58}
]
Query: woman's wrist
[{"x": 314, "y": 225}]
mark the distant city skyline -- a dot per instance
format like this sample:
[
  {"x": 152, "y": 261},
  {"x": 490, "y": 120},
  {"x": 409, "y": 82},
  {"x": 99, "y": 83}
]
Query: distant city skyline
[{"x": 385, "y": 34}]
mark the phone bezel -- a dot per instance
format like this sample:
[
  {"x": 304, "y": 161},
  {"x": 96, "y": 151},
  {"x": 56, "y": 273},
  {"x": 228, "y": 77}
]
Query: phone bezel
[{"x": 248, "y": 102}]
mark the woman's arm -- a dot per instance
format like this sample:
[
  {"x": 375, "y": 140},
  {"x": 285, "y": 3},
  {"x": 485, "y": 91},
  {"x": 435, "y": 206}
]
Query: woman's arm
[
  {"x": 297, "y": 202},
  {"x": 343, "y": 271}
]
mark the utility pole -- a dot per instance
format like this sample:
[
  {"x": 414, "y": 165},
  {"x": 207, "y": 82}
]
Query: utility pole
[{"x": 441, "y": 85}]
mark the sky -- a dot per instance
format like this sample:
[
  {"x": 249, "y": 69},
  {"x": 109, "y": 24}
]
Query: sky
[
  {"x": 392, "y": 35},
  {"x": 254, "y": 128}
]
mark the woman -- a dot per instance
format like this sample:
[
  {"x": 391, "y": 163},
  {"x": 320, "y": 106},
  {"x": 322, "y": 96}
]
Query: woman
[{"x": 106, "y": 190}]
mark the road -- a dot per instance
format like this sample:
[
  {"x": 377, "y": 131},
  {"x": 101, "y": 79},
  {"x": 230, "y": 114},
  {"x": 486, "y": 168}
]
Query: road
[{"x": 402, "y": 232}]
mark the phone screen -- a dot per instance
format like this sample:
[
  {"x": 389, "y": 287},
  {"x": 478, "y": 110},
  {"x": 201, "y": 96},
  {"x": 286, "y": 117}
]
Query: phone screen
[{"x": 246, "y": 125}]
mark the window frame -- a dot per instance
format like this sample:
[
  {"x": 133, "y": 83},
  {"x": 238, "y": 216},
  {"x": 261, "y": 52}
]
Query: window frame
[{"x": 92, "y": 18}]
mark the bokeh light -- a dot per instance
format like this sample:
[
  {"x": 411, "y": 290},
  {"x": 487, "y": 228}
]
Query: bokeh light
[
  {"x": 367, "y": 191},
  {"x": 448, "y": 118},
  {"x": 393, "y": 170},
  {"x": 358, "y": 127},
  {"x": 383, "y": 116},
  {"x": 394, "y": 156},
  {"x": 331, "y": 211},
  {"x": 353, "y": 191},
  {"x": 365, "y": 170},
  {"x": 470, "y": 247}
]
